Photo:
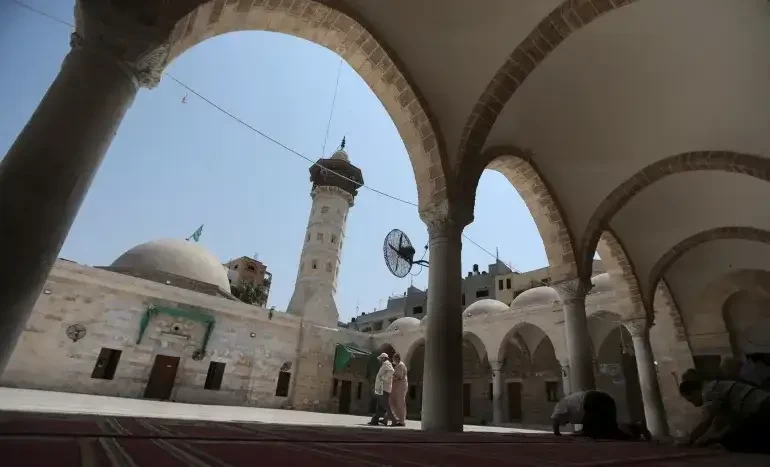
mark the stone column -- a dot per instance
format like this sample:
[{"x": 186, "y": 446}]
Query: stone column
[
  {"x": 572, "y": 294},
  {"x": 498, "y": 393},
  {"x": 442, "y": 406},
  {"x": 47, "y": 171},
  {"x": 654, "y": 413}
]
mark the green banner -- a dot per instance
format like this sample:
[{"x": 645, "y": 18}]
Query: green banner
[{"x": 345, "y": 353}]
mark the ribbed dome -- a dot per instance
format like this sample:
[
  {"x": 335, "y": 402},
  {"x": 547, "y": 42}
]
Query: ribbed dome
[
  {"x": 486, "y": 305},
  {"x": 340, "y": 154},
  {"x": 602, "y": 283},
  {"x": 178, "y": 257},
  {"x": 407, "y": 323},
  {"x": 536, "y": 296}
]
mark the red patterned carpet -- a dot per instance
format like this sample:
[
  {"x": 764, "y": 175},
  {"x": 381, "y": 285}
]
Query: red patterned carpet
[{"x": 31, "y": 440}]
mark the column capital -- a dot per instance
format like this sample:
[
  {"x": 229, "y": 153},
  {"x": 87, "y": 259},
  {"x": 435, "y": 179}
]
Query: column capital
[
  {"x": 496, "y": 365},
  {"x": 141, "y": 50},
  {"x": 444, "y": 219},
  {"x": 637, "y": 327},
  {"x": 572, "y": 290}
]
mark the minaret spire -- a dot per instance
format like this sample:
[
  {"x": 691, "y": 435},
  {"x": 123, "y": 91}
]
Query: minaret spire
[{"x": 342, "y": 145}]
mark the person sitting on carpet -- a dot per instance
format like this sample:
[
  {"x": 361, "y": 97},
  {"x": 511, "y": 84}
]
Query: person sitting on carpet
[
  {"x": 735, "y": 414},
  {"x": 595, "y": 410}
]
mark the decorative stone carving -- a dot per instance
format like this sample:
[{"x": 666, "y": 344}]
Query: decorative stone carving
[
  {"x": 444, "y": 220},
  {"x": 141, "y": 50},
  {"x": 637, "y": 327},
  {"x": 572, "y": 290}
]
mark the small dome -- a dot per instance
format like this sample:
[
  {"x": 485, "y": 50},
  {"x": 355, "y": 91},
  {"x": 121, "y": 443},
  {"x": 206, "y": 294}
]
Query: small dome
[
  {"x": 536, "y": 296},
  {"x": 341, "y": 155},
  {"x": 178, "y": 257},
  {"x": 483, "y": 306},
  {"x": 602, "y": 283},
  {"x": 407, "y": 323}
]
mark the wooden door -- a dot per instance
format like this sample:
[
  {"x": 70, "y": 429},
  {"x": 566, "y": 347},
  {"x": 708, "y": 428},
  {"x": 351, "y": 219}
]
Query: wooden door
[
  {"x": 514, "y": 402},
  {"x": 466, "y": 400},
  {"x": 161, "y": 378},
  {"x": 345, "y": 394}
]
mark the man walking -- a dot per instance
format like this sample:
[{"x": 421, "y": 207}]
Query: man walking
[{"x": 383, "y": 383}]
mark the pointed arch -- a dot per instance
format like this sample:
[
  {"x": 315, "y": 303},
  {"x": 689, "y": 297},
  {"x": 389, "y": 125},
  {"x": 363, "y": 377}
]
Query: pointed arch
[
  {"x": 342, "y": 31},
  {"x": 726, "y": 161},
  {"x": 622, "y": 274}
]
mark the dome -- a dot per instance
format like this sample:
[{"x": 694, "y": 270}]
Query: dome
[
  {"x": 178, "y": 257},
  {"x": 486, "y": 305},
  {"x": 536, "y": 296},
  {"x": 407, "y": 323},
  {"x": 340, "y": 154},
  {"x": 602, "y": 283}
]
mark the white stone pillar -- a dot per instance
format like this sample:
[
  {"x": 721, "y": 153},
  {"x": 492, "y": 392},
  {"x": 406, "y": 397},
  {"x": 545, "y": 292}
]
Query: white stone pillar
[
  {"x": 47, "y": 171},
  {"x": 654, "y": 413},
  {"x": 572, "y": 294},
  {"x": 442, "y": 403},
  {"x": 498, "y": 393}
]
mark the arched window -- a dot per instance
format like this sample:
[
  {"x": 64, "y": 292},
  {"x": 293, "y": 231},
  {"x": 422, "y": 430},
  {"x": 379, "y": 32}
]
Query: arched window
[{"x": 315, "y": 264}]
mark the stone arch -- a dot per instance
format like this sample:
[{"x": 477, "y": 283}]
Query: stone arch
[
  {"x": 526, "y": 337},
  {"x": 520, "y": 170},
  {"x": 727, "y": 161},
  {"x": 565, "y": 19},
  {"x": 622, "y": 274},
  {"x": 600, "y": 325},
  {"x": 411, "y": 353},
  {"x": 676, "y": 251},
  {"x": 712, "y": 306},
  {"x": 343, "y": 32},
  {"x": 477, "y": 344}
]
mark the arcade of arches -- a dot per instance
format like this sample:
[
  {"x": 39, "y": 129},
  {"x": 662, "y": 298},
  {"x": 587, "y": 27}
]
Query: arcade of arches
[{"x": 649, "y": 152}]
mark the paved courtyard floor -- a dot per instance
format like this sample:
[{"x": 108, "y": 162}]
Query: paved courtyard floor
[
  {"x": 58, "y": 402},
  {"x": 39, "y": 428}
]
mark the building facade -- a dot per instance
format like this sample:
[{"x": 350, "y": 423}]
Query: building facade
[{"x": 251, "y": 271}]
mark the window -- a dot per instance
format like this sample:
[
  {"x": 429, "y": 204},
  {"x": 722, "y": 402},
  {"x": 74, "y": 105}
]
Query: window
[
  {"x": 359, "y": 390},
  {"x": 378, "y": 326},
  {"x": 328, "y": 267},
  {"x": 315, "y": 264},
  {"x": 282, "y": 388},
  {"x": 214, "y": 376},
  {"x": 547, "y": 280},
  {"x": 235, "y": 267},
  {"x": 335, "y": 384},
  {"x": 324, "y": 209},
  {"x": 307, "y": 239},
  {"x": 482, "y": 293},
  {"x": 463, "y": 300},
  {"x": 366, "y": 330},
  {"x": 251, "y": 268},
  {"x": 412, "y": 392},
  {"x": 491, "y": 394},
  {"x": 417, "y": 310},
  {"x": 392, "y": 320},
  {"x": 319, "y": 236},
  {"x": 106, "y": 364},
  {"x": 508, "y": 283},
  {"x": 500, "y": 284},
  {"x": 552, "y": 391},
  {"x": 334, "y": 238}
]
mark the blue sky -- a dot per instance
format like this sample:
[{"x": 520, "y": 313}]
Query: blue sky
[{"x": 174, "y": 166}]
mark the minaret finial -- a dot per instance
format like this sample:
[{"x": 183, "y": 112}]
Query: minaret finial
[{"x": 342, "y": 145}]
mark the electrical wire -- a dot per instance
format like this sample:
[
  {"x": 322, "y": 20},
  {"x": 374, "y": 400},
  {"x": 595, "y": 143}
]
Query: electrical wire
[{"x": 273, "y": 140}]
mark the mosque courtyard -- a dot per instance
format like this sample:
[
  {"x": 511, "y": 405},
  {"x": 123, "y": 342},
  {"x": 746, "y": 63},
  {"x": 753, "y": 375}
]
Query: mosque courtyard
[{"x": 42, "y": 428}]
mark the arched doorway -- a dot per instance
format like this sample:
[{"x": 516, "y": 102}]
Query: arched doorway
[
  {"x": 747, "y": 318},
  {"x": 531, "y": 375},
  {"x": 477, "y": 407},
  {"x": 414, "y": 361},
  {"x": 616, "y": 371}
]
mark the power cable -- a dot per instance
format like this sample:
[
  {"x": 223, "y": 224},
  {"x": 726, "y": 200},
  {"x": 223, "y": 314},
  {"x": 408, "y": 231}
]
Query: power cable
[{"x": 273, "y": 140}]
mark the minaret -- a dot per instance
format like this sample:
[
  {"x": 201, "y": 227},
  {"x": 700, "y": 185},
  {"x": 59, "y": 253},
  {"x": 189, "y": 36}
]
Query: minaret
[{"x": 319, "y": 264}]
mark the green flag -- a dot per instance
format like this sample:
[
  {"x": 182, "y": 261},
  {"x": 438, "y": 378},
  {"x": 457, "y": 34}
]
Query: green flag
[{"x": 197, "y": 234}]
